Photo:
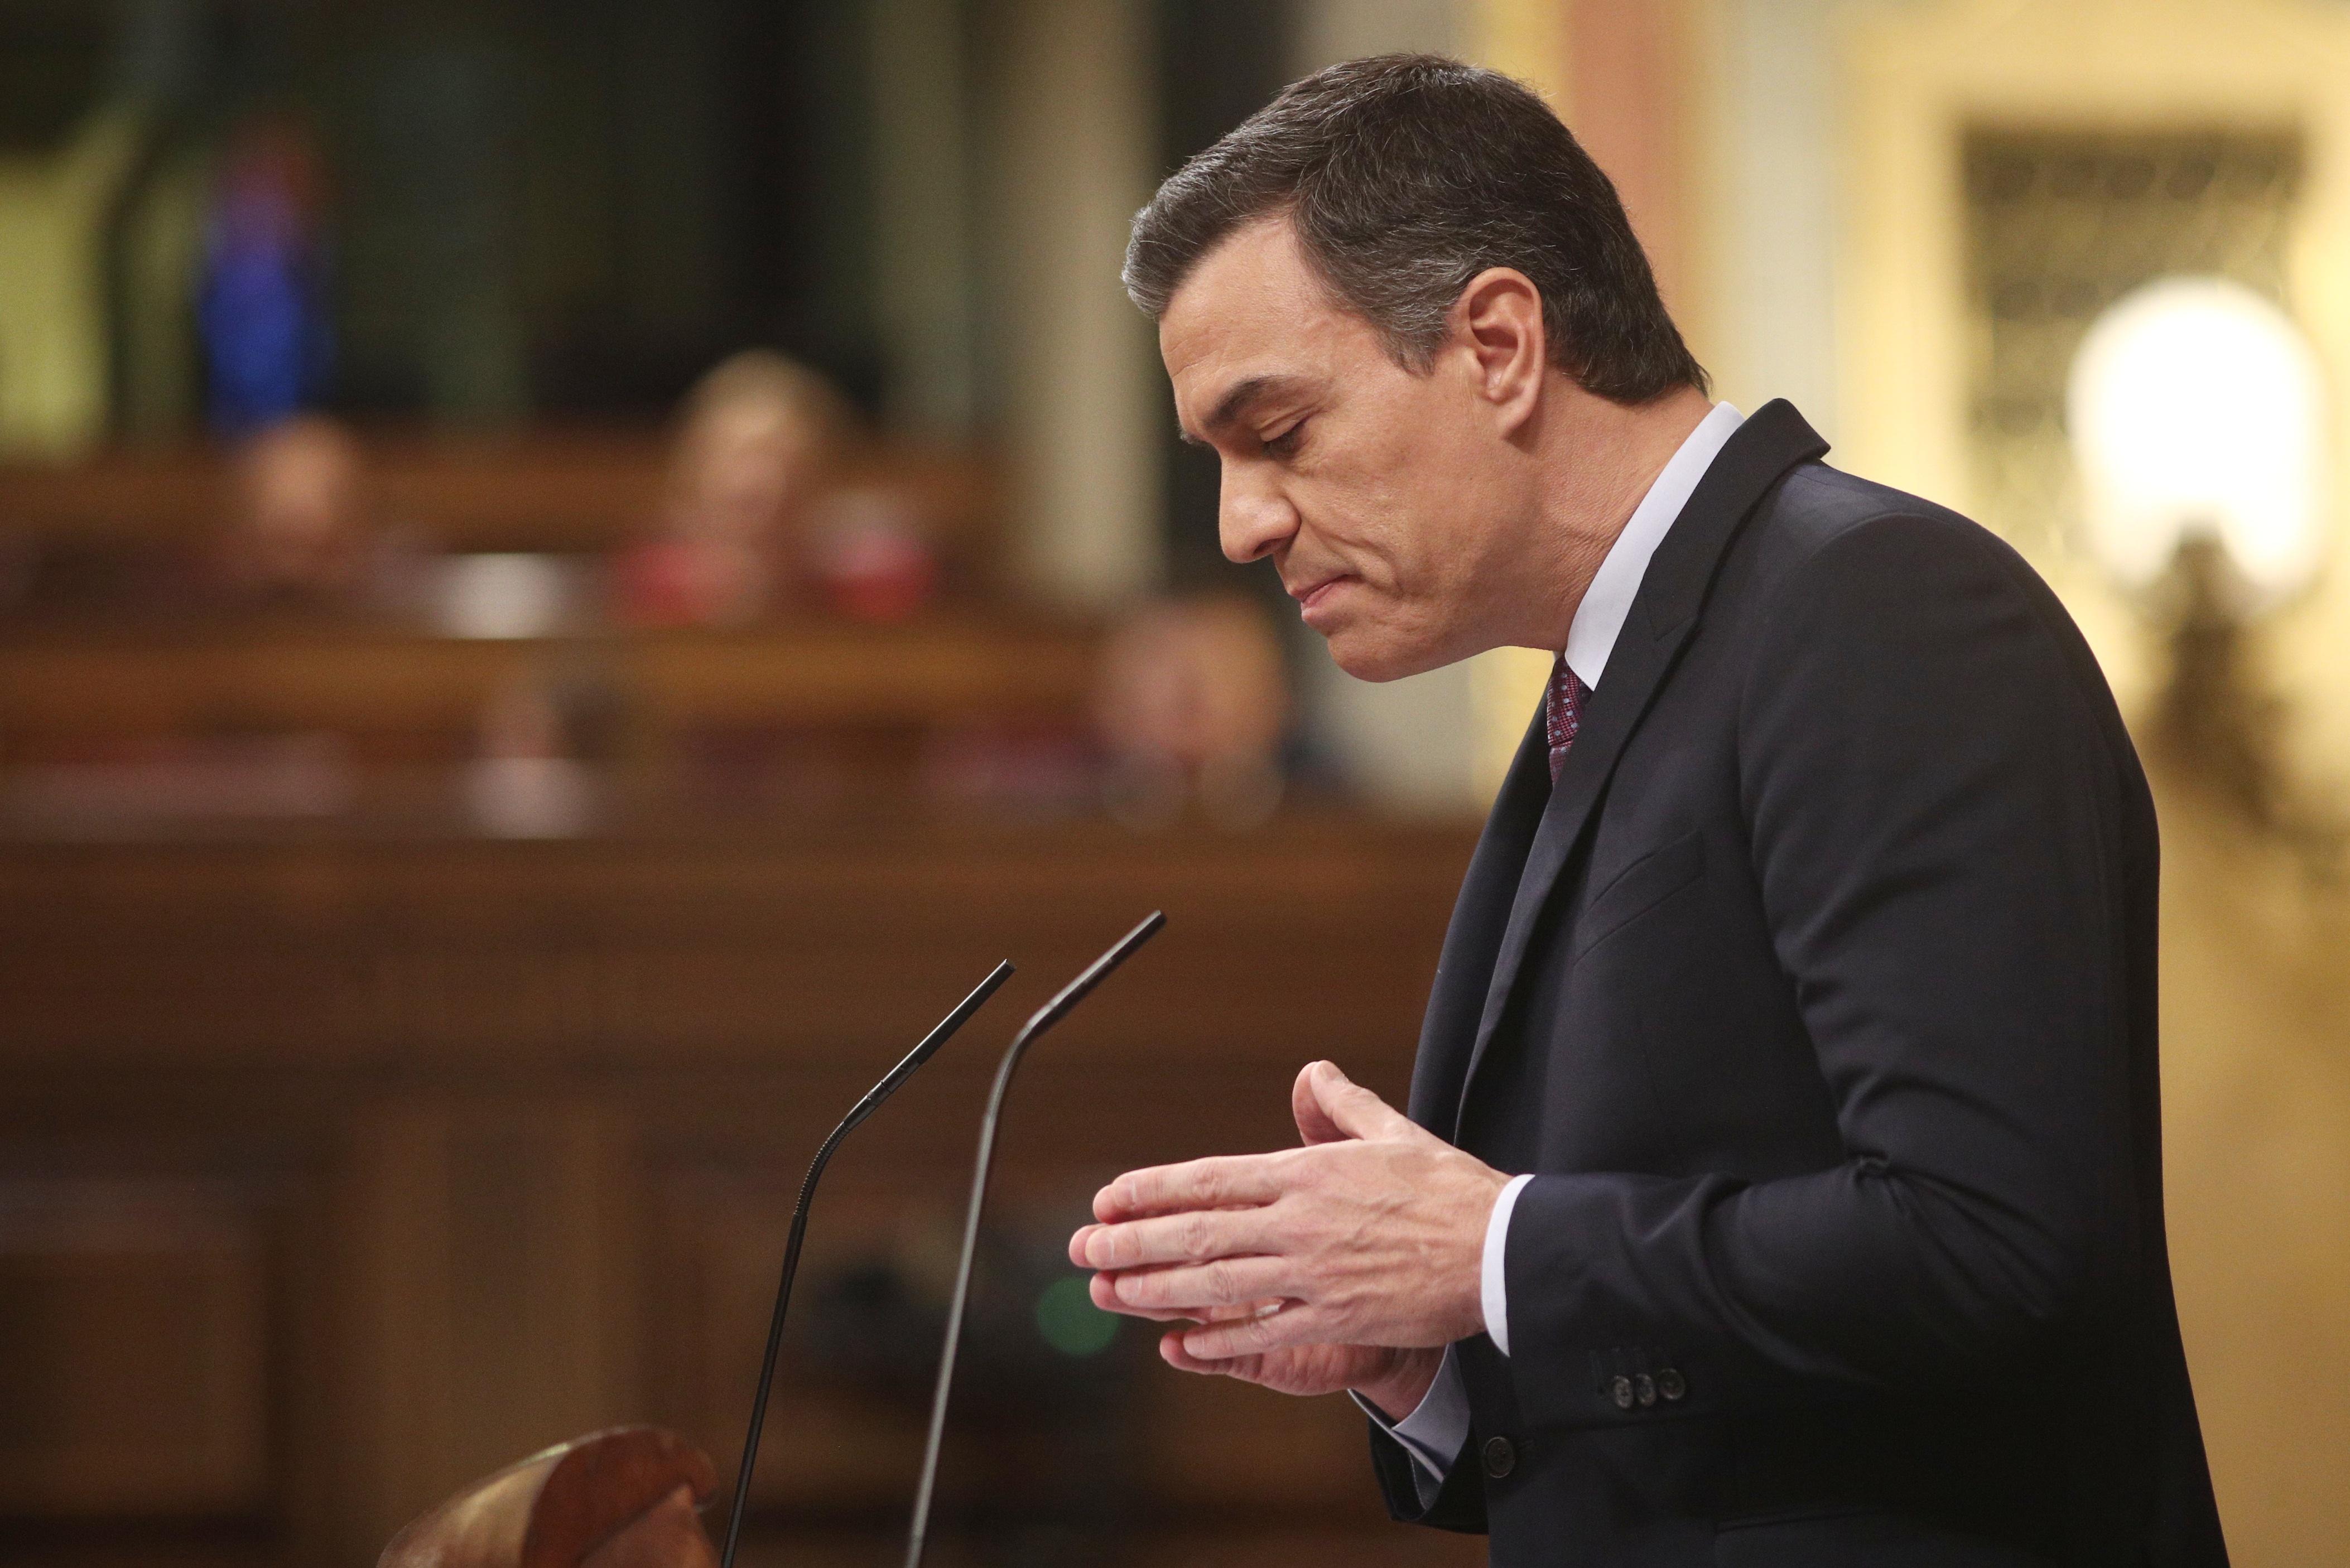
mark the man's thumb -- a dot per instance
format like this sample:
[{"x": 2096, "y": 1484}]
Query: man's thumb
[
  {"x": 1351, "y": 1109},
  {"x": 1314, "y": 1123}
]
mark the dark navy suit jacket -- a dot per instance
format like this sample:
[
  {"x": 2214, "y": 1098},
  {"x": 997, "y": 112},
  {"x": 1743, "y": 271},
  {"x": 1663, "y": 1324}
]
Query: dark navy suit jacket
[{"x": 1820, "y": 995}]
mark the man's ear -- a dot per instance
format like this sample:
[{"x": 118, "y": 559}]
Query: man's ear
[{"x": 1498, "y": 322}]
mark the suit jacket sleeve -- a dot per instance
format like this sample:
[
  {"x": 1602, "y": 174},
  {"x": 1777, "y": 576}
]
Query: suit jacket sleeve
[
  {"x": 1459, "y": 1502},
  {"x": 1931, "y": 796}
]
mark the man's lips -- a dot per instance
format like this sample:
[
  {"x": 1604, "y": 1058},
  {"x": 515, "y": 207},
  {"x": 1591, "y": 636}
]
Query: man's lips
[{"x": 1308, "y": 595}]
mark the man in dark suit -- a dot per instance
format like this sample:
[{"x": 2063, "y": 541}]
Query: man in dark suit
[{"x": 1781, "y": 1180}]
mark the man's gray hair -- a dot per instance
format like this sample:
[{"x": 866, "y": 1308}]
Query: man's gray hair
[{"x": 1404, "y": 177}]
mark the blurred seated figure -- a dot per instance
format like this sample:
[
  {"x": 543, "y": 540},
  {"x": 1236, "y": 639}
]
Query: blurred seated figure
[
  {"x": 543, "y": 748},
  {"x": 867, "y": 559},
  {"x": 1193, "y": 701},
  {"x": 301, "y": 535},
  {"x": 754, "y": 440}
]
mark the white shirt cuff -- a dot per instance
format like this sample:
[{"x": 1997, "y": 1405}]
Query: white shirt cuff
[
  {"x": 1494, "y": 1270},
  {"x": 1436, "y": 1430}
]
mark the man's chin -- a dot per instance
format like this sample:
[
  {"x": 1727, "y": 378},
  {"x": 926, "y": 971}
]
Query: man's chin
[{"x": 1378, "y": 659}]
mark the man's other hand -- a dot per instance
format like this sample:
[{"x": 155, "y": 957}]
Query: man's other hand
[
  {"x": 1348, "y": 1263},
  {"x": 1394, "y": 1380}
]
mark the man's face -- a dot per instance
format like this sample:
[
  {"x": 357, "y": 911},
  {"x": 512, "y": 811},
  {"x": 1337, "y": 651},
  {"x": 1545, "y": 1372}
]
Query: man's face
[{"x": 1390, "y": 502}]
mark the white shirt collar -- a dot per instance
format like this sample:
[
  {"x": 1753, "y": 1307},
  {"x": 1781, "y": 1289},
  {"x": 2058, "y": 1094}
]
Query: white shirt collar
[{"x": 1600, "y": 617}]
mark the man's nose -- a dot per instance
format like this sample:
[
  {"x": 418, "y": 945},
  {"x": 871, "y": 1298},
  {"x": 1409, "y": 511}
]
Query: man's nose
[{"x": 1253, "y": 519}]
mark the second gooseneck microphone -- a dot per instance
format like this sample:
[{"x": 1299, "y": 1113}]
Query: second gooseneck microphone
[
  {"x": 1052, "y": 1012},
  {"x": 863, "y": 1108}
]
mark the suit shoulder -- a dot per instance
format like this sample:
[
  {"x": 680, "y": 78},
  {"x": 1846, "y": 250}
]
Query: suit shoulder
[
  {"x": 1817, "y": 504},
  {"x": 1869, "y": 569},
  {"x": 1822, "y": 521}
]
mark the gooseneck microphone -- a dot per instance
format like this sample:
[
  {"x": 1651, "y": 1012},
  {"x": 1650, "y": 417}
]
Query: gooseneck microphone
[
  {"x": 1052, "y": 1012},
  {"x": 889, "y": 1085}
]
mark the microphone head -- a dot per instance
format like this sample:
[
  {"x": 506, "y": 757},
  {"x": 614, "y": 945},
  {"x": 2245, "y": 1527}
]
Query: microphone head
[
  {"x": 1053, "y": 1011},
  {"x": 929, "y": 1047}
]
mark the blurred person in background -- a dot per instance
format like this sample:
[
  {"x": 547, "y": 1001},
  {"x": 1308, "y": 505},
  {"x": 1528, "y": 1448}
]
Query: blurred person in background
[
  {"x": 544, "y": 747},
  {"x": 261, "y": 303},
  {"x": 1193, "y": 701},
  {"x": 756, "y": 440},
  {"x": 301, "y": 533}
]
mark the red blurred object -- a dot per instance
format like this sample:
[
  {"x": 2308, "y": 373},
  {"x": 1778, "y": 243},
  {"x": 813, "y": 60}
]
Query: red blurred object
[
  {"x": 661, "y": 583},
  {"x": 877, "y": 569}
]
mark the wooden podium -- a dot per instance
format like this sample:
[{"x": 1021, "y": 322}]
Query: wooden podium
[{"x": 627, "y": 1497}]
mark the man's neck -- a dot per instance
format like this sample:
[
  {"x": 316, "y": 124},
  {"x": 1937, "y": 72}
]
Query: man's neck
[{"x": 1601, "y": 457}]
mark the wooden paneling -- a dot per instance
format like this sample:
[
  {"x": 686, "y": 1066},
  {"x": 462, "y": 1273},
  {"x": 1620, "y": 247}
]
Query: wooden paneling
[
  {"x": 489, "y": 1307},
  {"x": 528, "y": 1118},
  {"x": 717, "y": 1248},
  {"x": 134, "y": 1377}
]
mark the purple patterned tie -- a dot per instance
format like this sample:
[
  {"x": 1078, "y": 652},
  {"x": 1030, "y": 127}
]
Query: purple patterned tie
[{"x": 1563, "y": 714}]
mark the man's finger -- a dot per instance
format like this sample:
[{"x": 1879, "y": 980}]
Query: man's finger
[
  {"x": 1194, "y": 1237},
  {"x": 1297, "y": 1323},
  {"x": 1223, "y": 1181},
  {"x": 1172, "y": 1350},
  {"x": 1103, "y": 1289},
  {"x": 1203, "y": 1288},
  {"x": 1354, "y": 1110}
]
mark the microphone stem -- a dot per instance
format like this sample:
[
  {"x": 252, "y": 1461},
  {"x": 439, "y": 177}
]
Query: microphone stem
[
  {"x": 1052, "y": 1012},
  {"x": 937, "y": 1438},
  {"x": 863, "y": 1108},
  {"x": 775, "y": 1342}
]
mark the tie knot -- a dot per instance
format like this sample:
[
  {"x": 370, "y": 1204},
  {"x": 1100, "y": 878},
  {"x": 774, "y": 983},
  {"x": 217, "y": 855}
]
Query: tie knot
[{"x": 1563, "y": 714}]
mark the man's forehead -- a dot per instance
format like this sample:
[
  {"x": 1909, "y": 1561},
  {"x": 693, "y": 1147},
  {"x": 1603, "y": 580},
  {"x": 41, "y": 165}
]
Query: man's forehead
[{"x": 1248, "y": 315}]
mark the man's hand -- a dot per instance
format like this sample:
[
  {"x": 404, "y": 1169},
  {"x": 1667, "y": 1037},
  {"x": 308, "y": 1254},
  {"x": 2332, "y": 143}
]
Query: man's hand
[{"x": 1349, "y": 1263}]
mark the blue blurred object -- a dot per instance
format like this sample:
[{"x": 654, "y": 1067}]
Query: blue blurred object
[{"x": 262, "y": 309}]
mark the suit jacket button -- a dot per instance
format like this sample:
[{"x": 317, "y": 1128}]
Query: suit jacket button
[
  {"x": 1644, "y": 1388},
  {"x": 1619, "y": 1388},
  {"x": 1500, "y": 1458},
  {"x": 1669, "y": 1383}
]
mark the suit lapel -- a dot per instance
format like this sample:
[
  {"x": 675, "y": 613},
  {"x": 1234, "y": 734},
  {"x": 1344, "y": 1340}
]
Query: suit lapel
[
  {"x": 1663, "y": 613},
  {"x": 1466, "y": 968}
]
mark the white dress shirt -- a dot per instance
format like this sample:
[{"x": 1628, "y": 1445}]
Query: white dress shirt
[{"x": 1435, "y": 1432}]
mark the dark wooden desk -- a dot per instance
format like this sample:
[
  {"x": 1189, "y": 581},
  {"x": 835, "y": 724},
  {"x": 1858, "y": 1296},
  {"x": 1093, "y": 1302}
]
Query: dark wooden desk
[
  {"x": 332, "y": 1175},
  {"x": 422, "y": 695},
  {"x": 582, "y": 489}
]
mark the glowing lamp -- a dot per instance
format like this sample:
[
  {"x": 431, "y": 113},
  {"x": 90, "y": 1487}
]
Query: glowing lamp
[{"x": 2196, "y": 413}]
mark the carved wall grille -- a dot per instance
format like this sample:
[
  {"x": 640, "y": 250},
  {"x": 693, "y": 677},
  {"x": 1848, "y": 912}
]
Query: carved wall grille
[{"x": 2060, "y": 224}]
